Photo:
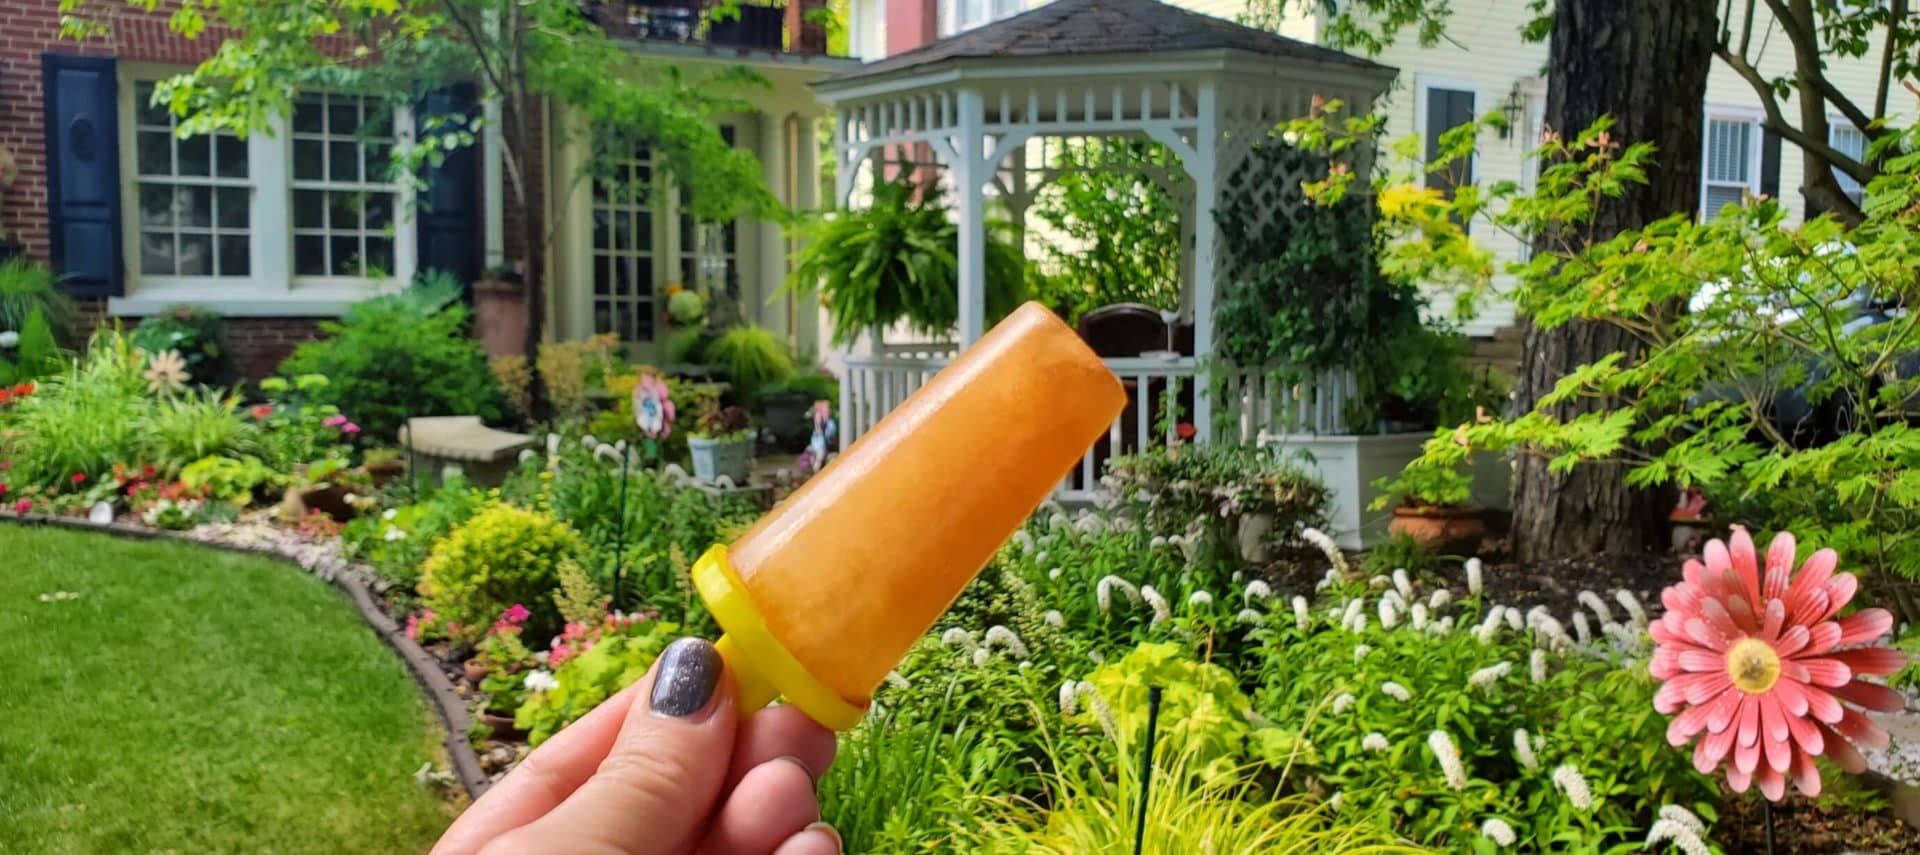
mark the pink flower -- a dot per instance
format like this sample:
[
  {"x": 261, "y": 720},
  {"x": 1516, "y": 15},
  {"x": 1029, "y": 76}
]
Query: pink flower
[
  {"x": 1758, "y": 668},
  {"x": 413, "y": 626},
  {"x": 517, "y": 613},
  {"x": 559, "y": 656},
  {"x": 349, "y": 428},
  {"x": 262, "y": 412},
  {"x": 22, "y": 507},
  {"x": 334, "y": 421},
  {"x": 79, "y": 478},
  {"x": 3, "y": 491}
]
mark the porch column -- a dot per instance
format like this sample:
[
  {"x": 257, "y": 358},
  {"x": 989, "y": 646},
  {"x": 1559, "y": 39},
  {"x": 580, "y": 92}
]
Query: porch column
[
  {"x": 1206, "y": 190},
  {"x": 970, "y": 175}
]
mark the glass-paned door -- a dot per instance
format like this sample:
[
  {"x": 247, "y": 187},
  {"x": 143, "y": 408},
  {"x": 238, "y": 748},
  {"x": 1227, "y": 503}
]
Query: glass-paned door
[{"x": 625, "y": 296}]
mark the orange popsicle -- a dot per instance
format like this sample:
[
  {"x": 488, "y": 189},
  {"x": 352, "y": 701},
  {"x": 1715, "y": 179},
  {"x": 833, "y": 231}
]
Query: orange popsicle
[{"x": 825, "y": 594}]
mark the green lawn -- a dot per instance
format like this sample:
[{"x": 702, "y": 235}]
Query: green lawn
[{"x": 198, "y": 701}]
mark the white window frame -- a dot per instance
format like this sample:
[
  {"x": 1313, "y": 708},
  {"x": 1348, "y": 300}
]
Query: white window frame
[
  {"x": 1756, "y": 142},
  {"x": 959, "y": 16},
  {"x": 271, "y": 289},
  {"x": 1841, "y": 123}
]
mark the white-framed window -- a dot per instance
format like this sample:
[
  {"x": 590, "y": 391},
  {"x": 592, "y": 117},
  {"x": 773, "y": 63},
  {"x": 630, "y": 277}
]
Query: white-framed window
[
  {"x": 645, "y": 238},
  {"x": 302, "y": 217},
  {"x": 959, "y": 16},
  {"x": 344, "y": 195},
  {"x": 1842, "y": 135},
  {"x": 1729, "y": 161}
]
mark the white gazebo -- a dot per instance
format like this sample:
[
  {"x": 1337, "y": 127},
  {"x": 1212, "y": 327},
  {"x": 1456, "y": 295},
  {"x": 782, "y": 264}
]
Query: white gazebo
[{"x": 990, "y": 108}]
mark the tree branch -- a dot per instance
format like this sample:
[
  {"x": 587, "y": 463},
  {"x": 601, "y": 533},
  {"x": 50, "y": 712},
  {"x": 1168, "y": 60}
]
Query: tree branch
[
  {"x": 1896, "y": 11},
  {"x": 1777, "y": 121}
]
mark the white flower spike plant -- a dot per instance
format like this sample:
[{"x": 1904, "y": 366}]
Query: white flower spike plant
[
  {"x": 1498, "y": 831},
  {"x": 1449, "y": 757},
  {"x": 1568, "y": 778},
  {"x": 1474, "y": 580}
]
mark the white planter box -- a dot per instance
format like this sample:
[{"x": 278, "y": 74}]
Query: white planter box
[{"x": 1349, "y": 464}]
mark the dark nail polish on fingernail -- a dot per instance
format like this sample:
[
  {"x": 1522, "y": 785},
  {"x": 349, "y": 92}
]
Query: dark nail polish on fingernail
[
  {"x": 838, "y": 844},
  {"x": 689, "y": 671}
]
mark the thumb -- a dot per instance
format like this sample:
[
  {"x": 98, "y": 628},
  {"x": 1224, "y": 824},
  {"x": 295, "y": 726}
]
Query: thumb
[{"x": 659, "y": 783}]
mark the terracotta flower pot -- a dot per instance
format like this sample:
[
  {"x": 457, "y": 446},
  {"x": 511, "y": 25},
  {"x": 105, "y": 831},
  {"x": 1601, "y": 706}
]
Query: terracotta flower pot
[
  {"x": 385, "y": 472},
  {"x": 476, "y": 671},
  {"x": 500, "y": 317},
  {"x": 1448, "y": 529},
  {"x": 502, "y": 725}
]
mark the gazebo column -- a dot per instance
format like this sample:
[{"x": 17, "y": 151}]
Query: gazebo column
[
  {"x": 1204, "y": 170},
  {"x": 971, "y": 173}
]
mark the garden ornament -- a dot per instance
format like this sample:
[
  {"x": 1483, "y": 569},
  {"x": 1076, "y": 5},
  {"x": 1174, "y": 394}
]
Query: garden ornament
[
  {"x": 1763, "y": 675},
  {"x": 822, "y": 597}
]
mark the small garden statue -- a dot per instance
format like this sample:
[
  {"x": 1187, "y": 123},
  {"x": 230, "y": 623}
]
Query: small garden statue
[
  {"x": 824, "y": 429},
  {"x": 1762, "y": 673}
]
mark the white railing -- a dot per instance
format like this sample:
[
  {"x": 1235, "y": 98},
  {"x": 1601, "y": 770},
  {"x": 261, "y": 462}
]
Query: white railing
[{"x": 1251, "y": 402}]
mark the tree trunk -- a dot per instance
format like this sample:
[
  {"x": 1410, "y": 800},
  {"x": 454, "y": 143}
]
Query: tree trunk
[{"x": 1643, "y": 62}]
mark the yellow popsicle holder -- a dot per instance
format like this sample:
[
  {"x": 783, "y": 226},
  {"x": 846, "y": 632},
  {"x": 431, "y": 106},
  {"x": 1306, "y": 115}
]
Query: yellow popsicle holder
[{"x": 761, "y": 666}]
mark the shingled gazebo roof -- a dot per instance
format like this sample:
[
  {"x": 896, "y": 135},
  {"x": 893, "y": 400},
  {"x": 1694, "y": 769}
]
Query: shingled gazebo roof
[{"x": 1093, "y": 27}]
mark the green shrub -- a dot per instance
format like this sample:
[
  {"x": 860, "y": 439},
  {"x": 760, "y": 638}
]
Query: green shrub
[
  {"x": 26, "y": 287},
  {"x": 814, "y": 385},
  {"x": 502, "y": 556},
  {"x": 32, "y": 352},
  {"x": 198, "y": 335},
  {"x": 182, "y": 428},
  {"x": 752, "y": 357},
  {"x": 617, "y": 660},
  {"x": 82, "y": 420},
  {"x": 401, "y": 355},
  {"x": 1213, "y": 486},
  {"x": 234, "y": 480},
  {"x": 397, "y": 543},
  {"x": 1370, "y": 696}
]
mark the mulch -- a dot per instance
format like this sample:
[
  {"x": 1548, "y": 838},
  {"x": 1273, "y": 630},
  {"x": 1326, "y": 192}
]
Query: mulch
[{"x": 1805, "y": 827}]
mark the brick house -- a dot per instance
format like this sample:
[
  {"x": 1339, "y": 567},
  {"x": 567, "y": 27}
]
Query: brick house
[{"x": 281, "y": 230}]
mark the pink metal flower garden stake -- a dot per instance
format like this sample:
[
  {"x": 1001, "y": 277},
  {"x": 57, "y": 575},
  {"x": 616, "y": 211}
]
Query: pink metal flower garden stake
[{"x": 1762, "y": 673}]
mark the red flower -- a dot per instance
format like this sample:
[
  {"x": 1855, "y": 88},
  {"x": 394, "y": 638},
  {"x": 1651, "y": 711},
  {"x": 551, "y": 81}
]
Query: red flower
[
  {"x": 148, "y": 471},
  {"x": 1185, "y": 430},
  {"x": 24, "y": 389},
  {"x": 3, "y": 491},
  {"x": 262, "y": 412},
  {"x": 79, "y": 478},
  {"x": 22, "y": 507},
  {"x": 5, "y": 397}
]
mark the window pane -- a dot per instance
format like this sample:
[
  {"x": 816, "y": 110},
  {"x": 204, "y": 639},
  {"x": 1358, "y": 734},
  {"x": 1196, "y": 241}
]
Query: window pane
[
  {"x": 342, "y": 212},
  {"x": 231, "y": 152},
  {"x": 343, "y": 161},
  {"x": 156, "y": 205},
  {"x": 194, "y": 206},
  {"x": 230, "y": 210},
  {"x": 196, "y": 255},
  {"x": 379, "y": 208},
  {"x": 344, "y": 256},
  {"x": 1720, "y": 196},
  {"x": 156, "y": 253},
  {"x": 379, "y": 162},
  {"x": 343, "y": 117},
  {"x": 309, "y": 255},
  {"x": 309, "y": 160},
  {"x": 378, "y": 122},
  {"x": 234, "y": 260},
  {"x": 380, "y": 254},
  {"x": 196, "y": 155},
  {"x": 144, "y": 111},
  {"x": 307, "y": 117},
  {"x": 155, "y": 153},
  {"x": 308, "y": 209}
]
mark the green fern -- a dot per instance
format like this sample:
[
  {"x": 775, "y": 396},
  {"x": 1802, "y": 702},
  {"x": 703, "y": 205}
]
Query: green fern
[
  {"x": 27, "y": 288},
  {"x": 753, "y": 358}
]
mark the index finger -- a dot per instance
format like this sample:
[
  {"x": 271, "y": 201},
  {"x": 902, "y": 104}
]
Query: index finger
[{"x": 544, "y": 779}]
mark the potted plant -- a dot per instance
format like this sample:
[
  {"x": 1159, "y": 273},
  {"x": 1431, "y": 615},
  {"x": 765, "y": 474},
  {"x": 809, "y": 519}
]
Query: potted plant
[
  {"x": 500, "y": 311},
  {"x": 1433, "y": 506},
  {"x": 721, "y": 443},
  {"x": 786, "y": 407}
]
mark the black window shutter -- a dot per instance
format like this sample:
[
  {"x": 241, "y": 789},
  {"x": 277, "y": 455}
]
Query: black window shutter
[
  {"x": 83, "y": 173},
  {"x": 448, "y": 210},
  {"x": 1769, "y": 163},
  {"x": 1447, "y": 109}
]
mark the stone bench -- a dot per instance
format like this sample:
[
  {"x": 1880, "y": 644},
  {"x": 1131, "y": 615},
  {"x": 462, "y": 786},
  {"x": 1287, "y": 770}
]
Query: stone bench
[{"x": 486, "y": 455}]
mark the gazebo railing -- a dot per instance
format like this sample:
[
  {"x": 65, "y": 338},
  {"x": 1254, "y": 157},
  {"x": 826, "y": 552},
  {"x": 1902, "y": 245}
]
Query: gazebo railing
[{"x": 1251, "y": 402}]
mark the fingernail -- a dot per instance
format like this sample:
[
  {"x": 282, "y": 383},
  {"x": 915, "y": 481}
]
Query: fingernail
[
  {"x": 689, "y": 671},
  {"x": 838, "y": 844},
  {"x": 811, "y": 777}
]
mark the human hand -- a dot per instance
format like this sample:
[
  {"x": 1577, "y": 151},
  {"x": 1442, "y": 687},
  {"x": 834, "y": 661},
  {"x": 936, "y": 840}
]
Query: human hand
[{"x": 665, "y": 767}]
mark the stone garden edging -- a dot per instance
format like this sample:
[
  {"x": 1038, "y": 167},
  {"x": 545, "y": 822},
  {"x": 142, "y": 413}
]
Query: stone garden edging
[{"x": 424, "y": 667}]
